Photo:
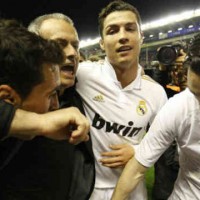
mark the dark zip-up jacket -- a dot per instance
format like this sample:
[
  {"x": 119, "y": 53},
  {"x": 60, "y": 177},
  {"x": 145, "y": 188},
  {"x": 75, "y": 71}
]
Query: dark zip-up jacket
[{"x": 45, "y": 169}]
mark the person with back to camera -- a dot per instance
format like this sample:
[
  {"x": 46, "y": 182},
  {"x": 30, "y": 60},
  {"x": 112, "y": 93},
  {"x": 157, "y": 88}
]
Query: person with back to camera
[
  {"x": 119, "y": 102},
  {"x": 177, "y": 120}
]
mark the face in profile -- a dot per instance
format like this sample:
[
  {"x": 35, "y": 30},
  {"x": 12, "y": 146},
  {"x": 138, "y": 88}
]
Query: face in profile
[
  {"x": 65, "y": 34},
  {"x": 121, "y": 38},
  {"x": 43, "y": 97},
  {"x": 193, "y": 83}
]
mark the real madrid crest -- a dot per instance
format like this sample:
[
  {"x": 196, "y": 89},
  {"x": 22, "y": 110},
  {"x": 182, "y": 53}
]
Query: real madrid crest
[{"x": 141, "y": 108}]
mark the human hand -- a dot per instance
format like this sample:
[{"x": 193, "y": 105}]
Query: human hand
[
  {"x": 179, "y": 72},
  {"x": 118, "y": 157},
  {"x": 66, "y": 123},
  {"x": 181, "y": 58}
]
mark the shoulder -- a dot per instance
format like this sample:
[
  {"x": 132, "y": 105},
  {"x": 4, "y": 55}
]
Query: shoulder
[
  {"x": 184, "y": 98},
  {"x": 152, "y": 87},
  {"x": 181, "y": 105},
  {"x": 88, "y": 67},
  {"x": 89, "y": 64},
  {"x": 148, "y": 78}
]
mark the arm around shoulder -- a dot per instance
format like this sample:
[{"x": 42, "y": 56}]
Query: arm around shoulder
[{"x": 64, "y": 124}]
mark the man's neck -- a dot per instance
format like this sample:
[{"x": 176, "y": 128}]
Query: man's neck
[{"x": 126, "y": 76}]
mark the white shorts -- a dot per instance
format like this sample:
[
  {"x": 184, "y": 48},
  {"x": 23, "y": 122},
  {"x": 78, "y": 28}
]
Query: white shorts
[{"x": 140, "y": 193}]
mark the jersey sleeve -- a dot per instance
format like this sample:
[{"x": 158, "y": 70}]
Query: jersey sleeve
[
  {"x": 160, "y": 102},
  {"x": 160, "y": 135}
]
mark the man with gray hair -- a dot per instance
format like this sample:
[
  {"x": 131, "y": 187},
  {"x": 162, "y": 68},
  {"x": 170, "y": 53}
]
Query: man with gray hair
[{"x": 29, "y": 80}]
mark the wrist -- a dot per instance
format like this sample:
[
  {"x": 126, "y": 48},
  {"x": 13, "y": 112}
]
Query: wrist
[{"x": 25, "y": 123}]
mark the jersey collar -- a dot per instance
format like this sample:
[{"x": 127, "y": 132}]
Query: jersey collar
[{"x": 110, "y": 73}]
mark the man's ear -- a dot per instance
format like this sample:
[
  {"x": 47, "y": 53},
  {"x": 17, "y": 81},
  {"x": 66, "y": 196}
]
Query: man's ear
[
  {"x": 101, "y": 44},
  {"x": 142, "y": 36},
  {"x": 9, "y": 95}
]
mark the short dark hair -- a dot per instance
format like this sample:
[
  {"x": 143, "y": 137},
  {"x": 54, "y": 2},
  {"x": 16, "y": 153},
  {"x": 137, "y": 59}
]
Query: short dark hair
[
  {"x": 194, "y": 54},
  {"x": 10, "y": 22},
  {"x": 23, "y": 55},
  {"x": 117, "y": 5}
]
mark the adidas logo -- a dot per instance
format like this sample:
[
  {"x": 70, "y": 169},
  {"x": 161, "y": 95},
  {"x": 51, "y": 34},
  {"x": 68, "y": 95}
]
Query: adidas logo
[{"x": 99, "y": 98}]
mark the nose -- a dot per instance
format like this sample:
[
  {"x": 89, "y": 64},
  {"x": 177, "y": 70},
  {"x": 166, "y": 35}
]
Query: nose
[
  {"x": 71, "y": 52},
  {"x": 54, "y": 104},
  {"x": 123, "y": 36}
]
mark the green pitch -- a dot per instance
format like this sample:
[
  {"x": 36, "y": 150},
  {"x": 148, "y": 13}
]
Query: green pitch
[{"x": 150, "y": 181}]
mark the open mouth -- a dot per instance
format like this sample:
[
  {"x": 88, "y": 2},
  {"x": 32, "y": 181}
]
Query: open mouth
[
  {"x": 124, "y": 49},
  {"x": 68, "y": 69}
]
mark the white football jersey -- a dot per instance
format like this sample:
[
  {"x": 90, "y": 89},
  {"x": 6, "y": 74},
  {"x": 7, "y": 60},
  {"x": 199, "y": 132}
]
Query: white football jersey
[
  {"x": 117, "y": 115},
  {"x": 179, "y": 119}
]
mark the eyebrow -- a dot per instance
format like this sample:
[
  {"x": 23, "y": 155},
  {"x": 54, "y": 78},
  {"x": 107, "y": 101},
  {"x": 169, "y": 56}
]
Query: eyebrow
[
  {"x": 65, "y": 40},
  {"x": 132, "y": 23},
  {"x": 128, "y": 23}
]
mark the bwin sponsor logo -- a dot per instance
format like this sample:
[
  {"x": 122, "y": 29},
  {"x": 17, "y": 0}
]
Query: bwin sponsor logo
[{"x": 130, "y": 131}]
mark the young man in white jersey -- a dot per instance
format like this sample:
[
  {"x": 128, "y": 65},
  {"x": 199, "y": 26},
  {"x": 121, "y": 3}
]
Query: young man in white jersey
[
  {"x": 119, "y": 102},
  {"x": 178, "y": 119}
]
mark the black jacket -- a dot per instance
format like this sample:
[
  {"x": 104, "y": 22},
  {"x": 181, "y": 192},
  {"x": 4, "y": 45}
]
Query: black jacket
[
  {"x": 8, "y": 148},
  {"x": 44, "y": 169},
  {"x": 166, "y": 168},
  {"x": 83, "y": 175},
  {"x": 7, "y": 112}
]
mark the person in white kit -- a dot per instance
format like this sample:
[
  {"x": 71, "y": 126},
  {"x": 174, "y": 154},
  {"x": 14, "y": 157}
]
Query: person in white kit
[
  {"x": 118, "y": 101},
  {"x": 179, "y": 119}
]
